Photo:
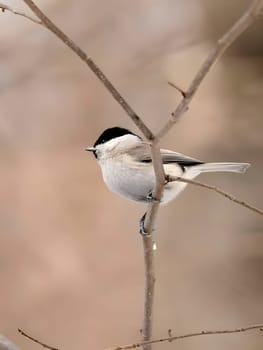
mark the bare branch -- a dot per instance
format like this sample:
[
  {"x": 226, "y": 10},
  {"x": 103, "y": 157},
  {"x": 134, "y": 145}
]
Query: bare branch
[
  {"x": 188, "y": 335},
  {"x": 252, "y": 13},
  {"x": 4, "y": 8},
  {"x": 46, "y": 22},
  {"x": 36, "y": 341},
  {"x": 217, "y": 190}
]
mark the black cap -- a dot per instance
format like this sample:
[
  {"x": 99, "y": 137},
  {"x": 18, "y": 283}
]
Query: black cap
[{"x": 112, "y": 133}]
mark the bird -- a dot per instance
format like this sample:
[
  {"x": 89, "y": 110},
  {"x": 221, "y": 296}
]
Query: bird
[{"x": 126, "y": 165}]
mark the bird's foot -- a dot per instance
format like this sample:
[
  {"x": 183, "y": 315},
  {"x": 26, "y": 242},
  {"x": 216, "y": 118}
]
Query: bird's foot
[
  {"x": 152, "y": 199},
  {"x": 142, "y": 228}
]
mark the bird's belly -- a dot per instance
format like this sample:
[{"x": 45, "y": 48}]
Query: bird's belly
[
  {"x": 132, "y": 183},
  {"x": 137, "y": 183}
]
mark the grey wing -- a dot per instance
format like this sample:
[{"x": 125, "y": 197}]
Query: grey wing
[
  {"x": 142, "y": 154},
  {"x": 181, "y": 159}
]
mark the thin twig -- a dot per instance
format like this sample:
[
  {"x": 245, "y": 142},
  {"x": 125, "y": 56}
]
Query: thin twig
[
  {"x": 4, "y": 8},
  {"x": 36, "y": 341},
  {"x": 249, "y": 16},
  {"x": 46, "y": 22},
  {"x": 188, "y": 335},
  {"x": 217, "y": 190},
  {"x": 182, "y": 92}
]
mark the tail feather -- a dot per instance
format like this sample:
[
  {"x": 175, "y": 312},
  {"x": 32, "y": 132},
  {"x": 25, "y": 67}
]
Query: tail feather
[{"x": 231, "y": 167}]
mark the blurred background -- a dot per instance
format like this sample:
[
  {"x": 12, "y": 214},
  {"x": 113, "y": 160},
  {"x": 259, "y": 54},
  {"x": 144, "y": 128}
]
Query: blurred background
[{"x": 71, "y": 259}]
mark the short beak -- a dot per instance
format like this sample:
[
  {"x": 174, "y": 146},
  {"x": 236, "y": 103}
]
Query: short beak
[{"x": 90, "y": 149}]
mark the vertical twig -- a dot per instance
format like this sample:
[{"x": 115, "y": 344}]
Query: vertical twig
[
  {"x": 149, "y": 290},
  {"x": 148, "y": 245}
]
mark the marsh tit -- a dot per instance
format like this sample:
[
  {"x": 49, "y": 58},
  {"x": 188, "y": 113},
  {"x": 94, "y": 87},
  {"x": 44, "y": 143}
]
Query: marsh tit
[{"x": 126, "y": 165}]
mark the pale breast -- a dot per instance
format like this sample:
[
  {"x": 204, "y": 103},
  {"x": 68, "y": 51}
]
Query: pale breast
[{"x": 135, "y": 182}]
